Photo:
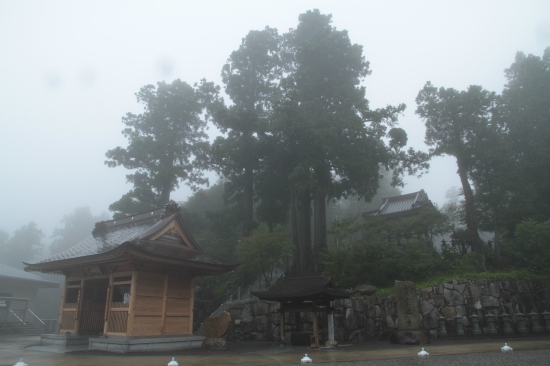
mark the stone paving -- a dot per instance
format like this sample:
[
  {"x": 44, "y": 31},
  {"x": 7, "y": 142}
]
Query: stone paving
[{"x": 531, "y": 351}]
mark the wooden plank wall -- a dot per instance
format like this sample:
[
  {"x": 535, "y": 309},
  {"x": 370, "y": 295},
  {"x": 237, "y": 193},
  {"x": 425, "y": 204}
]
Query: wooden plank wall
[
  {"x": 179, "y": 306},
  {"x": 162, "y": 306}
]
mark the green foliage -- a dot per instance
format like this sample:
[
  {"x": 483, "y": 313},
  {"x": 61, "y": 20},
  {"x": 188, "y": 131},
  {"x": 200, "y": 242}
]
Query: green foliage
[
  {"x": 531, "y": 247},
  {"x": 251, "y": 81},
  {"x": 25, "y": 245},
  {"x": 263, "y": 250},
  {"x": 215, "y": 225},
  {"x": 456, "y": 123},
  {"x": 511, "y": 275},
  {"x": 166, "y": 145},
  {"x": 76, "y": 226},
  {"x": 525, "y": 116},
  {"x": 379, "y": 251}
]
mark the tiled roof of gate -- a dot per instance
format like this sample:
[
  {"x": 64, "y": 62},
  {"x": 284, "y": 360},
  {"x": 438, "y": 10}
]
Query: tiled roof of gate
[{"x": 401, "y": 204}]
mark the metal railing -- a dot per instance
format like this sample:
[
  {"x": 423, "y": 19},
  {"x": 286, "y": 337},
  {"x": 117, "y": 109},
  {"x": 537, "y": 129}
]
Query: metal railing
[
  {"x": 15, "y": 309},
  {"x": 36, "y": 321}
]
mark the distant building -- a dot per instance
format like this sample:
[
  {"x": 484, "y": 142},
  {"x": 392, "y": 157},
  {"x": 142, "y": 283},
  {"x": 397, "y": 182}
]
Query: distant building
[
  {"x": 414, "y": 208},
  {"x": 18, "y": 291},
  {"x": 405, "y": 205}
]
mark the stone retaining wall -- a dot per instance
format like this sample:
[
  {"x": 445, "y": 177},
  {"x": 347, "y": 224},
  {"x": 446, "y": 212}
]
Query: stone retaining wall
[{"x": 368, "y": 317}]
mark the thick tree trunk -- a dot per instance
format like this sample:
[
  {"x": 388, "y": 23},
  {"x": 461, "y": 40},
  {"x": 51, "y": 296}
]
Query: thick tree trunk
[
  {"x": 496, "y": 239},
  {"x": 165, "y": 194},
  {"x": 320, "y": 230},
  {"x": 471, "y": 224},
  {"x": 297, "y": 259},
  {"x": 304, "y": 230},
  {"x": 248, "y": 201}
]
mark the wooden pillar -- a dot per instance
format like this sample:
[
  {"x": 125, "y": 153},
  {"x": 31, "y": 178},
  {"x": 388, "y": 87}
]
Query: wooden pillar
[
  {"x": 282, "y": 326},
  {"x": 108, "y": 304},
  {"x": 315, "y": 330},
  {"x": 133, "y": 291},
  {"x": 315, "y": 344},
  {"x": 78, "y": 314},
  {"x": 191, "y": 304},
  {"x": 60, "y": 318}
]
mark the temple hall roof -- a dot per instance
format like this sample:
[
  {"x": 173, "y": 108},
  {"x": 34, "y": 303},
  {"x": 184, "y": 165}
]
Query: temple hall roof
[
  {"x": 158, "y": 236},
  {"x": 402, "y": 205}
]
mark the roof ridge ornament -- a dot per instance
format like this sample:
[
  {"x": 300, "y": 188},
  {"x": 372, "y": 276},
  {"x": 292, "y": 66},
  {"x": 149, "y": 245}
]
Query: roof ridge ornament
[{"x": 170, "y": 209}]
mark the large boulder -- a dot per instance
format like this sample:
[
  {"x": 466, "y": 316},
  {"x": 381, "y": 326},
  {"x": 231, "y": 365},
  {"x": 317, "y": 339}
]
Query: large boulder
[{"x": 216, "y": 327}]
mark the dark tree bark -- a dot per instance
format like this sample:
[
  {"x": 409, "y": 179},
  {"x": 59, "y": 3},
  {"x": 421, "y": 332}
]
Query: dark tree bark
[
  {"x": 297, "y": 261},
  {"x": 320, "y": 230},
  {"x": 471, "y": 224},
  {"x": 248, "y": 201},
  {"x": 304, "y": 222}
]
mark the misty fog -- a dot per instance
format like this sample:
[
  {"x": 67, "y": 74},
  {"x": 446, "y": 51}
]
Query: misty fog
[{"x": 69, "y": 72}]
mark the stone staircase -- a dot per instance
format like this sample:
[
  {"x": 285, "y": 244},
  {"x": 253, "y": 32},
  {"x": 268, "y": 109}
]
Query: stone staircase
[{"x": 25, "y": 329}]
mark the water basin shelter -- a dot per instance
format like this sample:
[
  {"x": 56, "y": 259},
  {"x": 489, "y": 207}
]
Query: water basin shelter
[
  {"x": 300, "y": 294},
  {"x": 132, "y": 277}
]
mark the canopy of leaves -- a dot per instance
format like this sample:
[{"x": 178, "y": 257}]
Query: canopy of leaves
[
  {"x": 263, "y": 250},
  {"x": 166, "y": 145},
  {"x": 525, "y": 114},
  {"x": 76, "y": 226},
  {"x": 25, "y": 245},
  {"x": 380, "y": 251}
]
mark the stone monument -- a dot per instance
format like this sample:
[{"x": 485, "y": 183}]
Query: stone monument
[
  {"x": 408, "y": 315},
  {"x": 331, "y": 343}
]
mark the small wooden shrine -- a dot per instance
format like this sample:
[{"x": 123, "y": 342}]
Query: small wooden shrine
[
  {"x": 133, "y": 277},
  {"x": 300, "y": 294}
]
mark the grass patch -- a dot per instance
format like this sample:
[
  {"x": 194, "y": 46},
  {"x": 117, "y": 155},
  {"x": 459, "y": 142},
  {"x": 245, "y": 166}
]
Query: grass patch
[{"x": 512, "y": 275}]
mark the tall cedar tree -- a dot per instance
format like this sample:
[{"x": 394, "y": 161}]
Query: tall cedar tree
[
  {"x": 251, "y": 81},
  {"x": 525, "y": 114},
  {"x": 166, "y": 145},
  {"x": 331, "y": 141},
  {"x": 455, "y": 121}
]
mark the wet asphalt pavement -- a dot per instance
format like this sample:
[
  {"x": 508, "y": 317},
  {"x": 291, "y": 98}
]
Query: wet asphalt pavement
[{"x": 527, "y": 351}]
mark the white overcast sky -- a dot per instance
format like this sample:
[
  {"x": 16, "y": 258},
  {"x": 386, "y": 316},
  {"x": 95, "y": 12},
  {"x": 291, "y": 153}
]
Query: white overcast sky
[{"x": 69, "y": 71}]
